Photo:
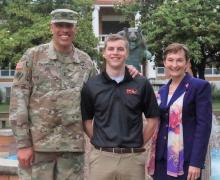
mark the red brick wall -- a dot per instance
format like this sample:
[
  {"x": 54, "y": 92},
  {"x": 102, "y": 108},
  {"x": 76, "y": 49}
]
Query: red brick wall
[
  {"x": 6, "y": 79},
  {"x": 3, "y": 177},
  {"x": 7, "y": 144}
]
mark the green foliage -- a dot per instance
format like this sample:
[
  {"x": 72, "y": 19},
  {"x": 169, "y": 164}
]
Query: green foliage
[
  {"x": 144, "y": 7},
  {"x": 13, "y": 45},
  {"x": 215, "y": 93},
  {"x": 195, "y": 23},
  {"x": 216, "y": 108},
  {"x": 85, "y": 39},
  {"x": 27, "y": 25},
  {"x": 4, "y": 107},
  {"x": 128, "y": 10}
]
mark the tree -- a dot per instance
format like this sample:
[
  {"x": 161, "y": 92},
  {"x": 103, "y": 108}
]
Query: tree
[
  {"x": 129, "y": 8},
  {"x": 195, "y": 23},
  {"x": 27, "y": 25},
  {"x": 192, "y": 22}
]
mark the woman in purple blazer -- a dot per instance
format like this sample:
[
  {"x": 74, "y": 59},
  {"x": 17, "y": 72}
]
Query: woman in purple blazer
[{"x": 186, "y": 118}]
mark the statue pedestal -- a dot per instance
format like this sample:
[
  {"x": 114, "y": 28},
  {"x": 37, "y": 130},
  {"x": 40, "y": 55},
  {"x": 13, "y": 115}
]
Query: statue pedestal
[
  {"x": 8, "y": 168},
  {"x": 7, "y": 143}
]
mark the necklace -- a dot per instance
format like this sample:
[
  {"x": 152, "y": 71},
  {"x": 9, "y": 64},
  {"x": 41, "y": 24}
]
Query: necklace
[{"x": 172, "y": 88}]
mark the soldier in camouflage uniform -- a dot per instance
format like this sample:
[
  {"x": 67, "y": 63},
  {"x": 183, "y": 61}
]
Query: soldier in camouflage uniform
[{"x": 45, "y": 105}]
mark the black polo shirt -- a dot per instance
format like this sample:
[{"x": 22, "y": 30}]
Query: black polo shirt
[{"x": 117, "y": 109}]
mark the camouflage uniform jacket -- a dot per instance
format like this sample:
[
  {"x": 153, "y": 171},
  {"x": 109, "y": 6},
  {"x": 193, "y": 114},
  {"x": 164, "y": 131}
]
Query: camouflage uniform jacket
[{"x": 45, "y": 99}]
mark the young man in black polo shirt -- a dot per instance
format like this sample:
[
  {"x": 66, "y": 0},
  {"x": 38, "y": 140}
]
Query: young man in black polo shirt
[{"x": 112, "y": 104}]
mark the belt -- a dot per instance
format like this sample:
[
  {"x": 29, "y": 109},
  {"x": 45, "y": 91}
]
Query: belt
[{"x": 121, "y": 150}]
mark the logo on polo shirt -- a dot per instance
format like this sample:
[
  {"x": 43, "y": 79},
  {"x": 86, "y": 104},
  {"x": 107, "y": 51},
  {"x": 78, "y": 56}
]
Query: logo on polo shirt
[{"x": 131, "y": 91}]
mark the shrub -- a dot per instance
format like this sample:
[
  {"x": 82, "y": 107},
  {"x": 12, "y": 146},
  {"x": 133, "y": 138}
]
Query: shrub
[
  {"x": 1, "y": 96},
  {"x": 215, "y": 92}
]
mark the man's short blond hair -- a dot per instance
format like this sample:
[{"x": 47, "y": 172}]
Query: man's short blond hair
[{"x": 116, "y": 37}]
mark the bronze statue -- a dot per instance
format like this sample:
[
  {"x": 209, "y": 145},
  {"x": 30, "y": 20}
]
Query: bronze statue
[{"x": 138, "y": 53}]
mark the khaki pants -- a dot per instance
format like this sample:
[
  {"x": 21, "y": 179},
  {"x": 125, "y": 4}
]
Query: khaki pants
[
  {"x": 54, "y": 166},
  {"x": 113, "y": 166}
]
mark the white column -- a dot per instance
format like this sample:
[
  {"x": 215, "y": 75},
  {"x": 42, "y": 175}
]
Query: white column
[
  {"x": 95, "y": 20},
  {"x": 151, "y": 70}
]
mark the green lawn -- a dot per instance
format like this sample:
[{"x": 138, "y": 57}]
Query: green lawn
[
  {"x": 216, "y": 106},
  {"x": 4, "y": 107}
]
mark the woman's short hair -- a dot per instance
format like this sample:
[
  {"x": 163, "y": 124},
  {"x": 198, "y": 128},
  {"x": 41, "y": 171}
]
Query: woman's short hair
[{"x": 174, "y": 48}]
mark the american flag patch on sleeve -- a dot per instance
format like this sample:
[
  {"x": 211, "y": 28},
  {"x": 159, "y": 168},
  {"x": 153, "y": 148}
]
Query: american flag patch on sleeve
[{"x": 19, "y": 66}]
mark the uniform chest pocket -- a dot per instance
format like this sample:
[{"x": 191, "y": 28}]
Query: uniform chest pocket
[
  {"x": 68, "y": 105},
  {"x": 46, "y": 77},
  {"x": 74, "y": 76}
]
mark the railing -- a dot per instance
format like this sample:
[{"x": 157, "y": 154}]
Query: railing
[
  {"x": 212, "y": 71},
  {"x": 208, "y": 71},
  {"x": 160, "y": 70},
  {"x": 7, "y": 73}
]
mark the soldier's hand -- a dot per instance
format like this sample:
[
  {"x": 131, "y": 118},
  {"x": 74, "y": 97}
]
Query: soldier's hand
[{"x": 25, "y": 157}]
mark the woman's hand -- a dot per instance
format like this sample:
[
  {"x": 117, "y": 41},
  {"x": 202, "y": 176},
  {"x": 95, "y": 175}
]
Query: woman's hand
[{"x": 193, "y": 173}]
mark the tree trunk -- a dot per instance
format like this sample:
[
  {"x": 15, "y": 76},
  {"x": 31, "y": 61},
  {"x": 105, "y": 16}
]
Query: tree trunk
[
  {"x": 201, "y": 68},
  {"x": 194, "y": 69}
]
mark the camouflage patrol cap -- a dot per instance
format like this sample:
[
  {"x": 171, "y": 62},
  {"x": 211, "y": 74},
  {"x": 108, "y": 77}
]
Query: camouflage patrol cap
[{"x": 64, "y": 15}]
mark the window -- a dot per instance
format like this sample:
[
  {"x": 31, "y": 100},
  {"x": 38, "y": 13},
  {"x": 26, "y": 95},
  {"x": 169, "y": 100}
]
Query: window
[{"x": 160, "y": 70}]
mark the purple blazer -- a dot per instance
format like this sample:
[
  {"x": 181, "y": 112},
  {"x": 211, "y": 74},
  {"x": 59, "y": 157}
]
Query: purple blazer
[{"x": 196, "y": 119}]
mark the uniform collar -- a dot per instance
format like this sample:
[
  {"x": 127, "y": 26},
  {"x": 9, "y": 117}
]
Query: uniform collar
[
  {"x": 52, "y": 54},
  {"x": 127, "y": 76}
]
